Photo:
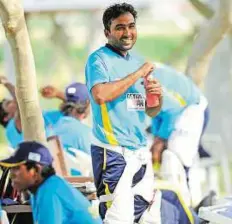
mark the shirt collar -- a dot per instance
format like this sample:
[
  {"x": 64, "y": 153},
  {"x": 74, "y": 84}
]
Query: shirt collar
[{"x": 115, "y": 50}]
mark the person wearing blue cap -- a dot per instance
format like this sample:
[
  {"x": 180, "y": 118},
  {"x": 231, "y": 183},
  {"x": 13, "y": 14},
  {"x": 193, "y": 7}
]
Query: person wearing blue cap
[
  {"x": 53, "y": 200},
  {"x": 70, "y": 128},
  {"x": 72, "y": 132}
]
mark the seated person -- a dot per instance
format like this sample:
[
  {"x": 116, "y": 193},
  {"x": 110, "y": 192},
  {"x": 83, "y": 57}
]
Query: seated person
[
  {"x": 10, "y": 117},
  {"x": 179, "y": 125},
  {"x": 14, "y": 130},
  {"x": 72, "y": 132},
  {"x": 171, "y": 197},
  {"x": 53, "y": 200}
]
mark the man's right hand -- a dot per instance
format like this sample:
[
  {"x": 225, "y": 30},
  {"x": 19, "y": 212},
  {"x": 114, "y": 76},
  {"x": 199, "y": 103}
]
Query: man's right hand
[
  {"x": 49, "y": 91},
  {"x": 146, "y": 69}
]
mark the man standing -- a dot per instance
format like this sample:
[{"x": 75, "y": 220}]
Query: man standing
[
  {"x": 121, "y": 162},
  {"x": 53, "y": 200}
]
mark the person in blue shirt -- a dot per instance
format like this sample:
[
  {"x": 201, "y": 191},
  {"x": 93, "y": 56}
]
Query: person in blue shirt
[
  {"x": 72, "y": 132},
  {"x": 53, "y": 200},
  {"x": 10, "y": 117},
  {"x": 75, "y": 136},
  {"x": 180, "y": 97},
  {"x": 182, "y": 120},
  {"x": 114, "y": 79},
  {"x": 14, "y": 132}
]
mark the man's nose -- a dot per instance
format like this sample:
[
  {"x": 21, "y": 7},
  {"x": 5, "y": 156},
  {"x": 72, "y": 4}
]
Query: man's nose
[{"x": 127, "y": 32}]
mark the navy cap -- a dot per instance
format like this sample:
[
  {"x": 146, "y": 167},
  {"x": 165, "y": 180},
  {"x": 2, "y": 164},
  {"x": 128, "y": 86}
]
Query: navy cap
[
  {"x": 28, "y": 151},
  {"x": 77, "y": 93}
]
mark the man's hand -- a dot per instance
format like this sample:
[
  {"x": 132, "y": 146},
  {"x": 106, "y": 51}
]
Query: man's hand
[
  {"x": 3, "y": 80},
  {"x": 146, "y": 69},
  {"x": 49, "y": 91},
  {"x": 157, "y": 148},
  {"x": 52, "y": 92},
  {"x": 154, "y": 87}
]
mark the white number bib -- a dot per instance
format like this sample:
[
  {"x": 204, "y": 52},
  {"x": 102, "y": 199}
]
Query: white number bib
[{"x": 135, "y": 101}]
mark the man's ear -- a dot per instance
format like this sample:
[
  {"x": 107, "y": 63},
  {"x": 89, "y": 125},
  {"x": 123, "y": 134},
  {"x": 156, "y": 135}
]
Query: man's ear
[
  {"x": 36, "y": 169},
  {"x": 107, "y": 32}
]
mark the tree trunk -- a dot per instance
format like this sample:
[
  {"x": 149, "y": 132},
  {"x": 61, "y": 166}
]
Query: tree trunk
[
  {"x": 12, "y": 16},
  {"x": 203, "y": 8},
  {"x": 205, "y": 43}
]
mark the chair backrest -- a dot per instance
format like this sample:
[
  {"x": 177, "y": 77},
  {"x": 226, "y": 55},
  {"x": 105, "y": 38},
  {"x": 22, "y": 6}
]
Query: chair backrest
[
  {"x": 81, "y": 161},
  {"x": 57, "y": 152}
]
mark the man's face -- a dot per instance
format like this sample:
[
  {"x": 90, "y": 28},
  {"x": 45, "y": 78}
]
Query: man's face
[
  {"x": 122, "y": 34},
  {"x": 22, "y": 178}
]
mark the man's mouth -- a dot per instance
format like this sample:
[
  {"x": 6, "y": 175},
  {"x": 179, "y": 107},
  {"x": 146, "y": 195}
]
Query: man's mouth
[{"x": 126, "y": 41}]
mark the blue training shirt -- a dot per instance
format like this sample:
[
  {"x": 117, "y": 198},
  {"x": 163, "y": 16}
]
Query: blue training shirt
[
  {"x": 53, "y": 116},
  {"x": 15, "y": 137},
  {"x": 57, "y": 202},
  {"x": 73, "y": 133},
  {"x": 121, "y": 121},
  {"x": 178, "y": 93}
]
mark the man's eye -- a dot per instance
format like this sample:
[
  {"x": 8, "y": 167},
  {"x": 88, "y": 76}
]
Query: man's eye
[{"x": 119, "y": 28}]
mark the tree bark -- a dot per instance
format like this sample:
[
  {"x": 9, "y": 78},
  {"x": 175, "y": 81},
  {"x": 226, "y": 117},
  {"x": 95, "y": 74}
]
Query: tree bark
[
  {"x": 202, "y": 8},
  {"x": 205, "y": 43},
  {"x": 12, "y": 16}
]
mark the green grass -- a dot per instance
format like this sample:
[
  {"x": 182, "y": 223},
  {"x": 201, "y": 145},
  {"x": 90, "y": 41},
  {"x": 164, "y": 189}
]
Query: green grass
[{"x": 160, "y": 48}]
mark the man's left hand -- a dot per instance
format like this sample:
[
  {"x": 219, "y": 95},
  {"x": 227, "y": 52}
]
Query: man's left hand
[{"x": 154, "y": 87}]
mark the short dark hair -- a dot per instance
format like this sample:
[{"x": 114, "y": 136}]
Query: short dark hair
[
  {"x": 3, "y": 114},
  {"x": 46, "y": 172},
  {"x": 114, "y": 11}
]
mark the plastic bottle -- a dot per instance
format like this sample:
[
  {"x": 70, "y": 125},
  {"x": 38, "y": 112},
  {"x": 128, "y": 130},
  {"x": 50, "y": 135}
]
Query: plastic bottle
[{"x": 152, "y": 99}]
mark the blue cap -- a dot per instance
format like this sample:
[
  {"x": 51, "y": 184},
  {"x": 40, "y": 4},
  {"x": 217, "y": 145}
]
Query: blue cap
[
  {"x": 28, "y": 151},
  {"x": 77, "y": 93}
]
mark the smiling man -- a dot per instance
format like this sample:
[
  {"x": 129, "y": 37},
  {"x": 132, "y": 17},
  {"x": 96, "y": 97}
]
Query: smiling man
[{"x": 121, "y": 160}]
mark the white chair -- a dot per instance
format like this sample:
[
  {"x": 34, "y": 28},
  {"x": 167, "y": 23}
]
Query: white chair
[
  {"x": 219, "y": 160},
  {"x": 81, "y": 162},
  {"x": 218, "y": 214}
]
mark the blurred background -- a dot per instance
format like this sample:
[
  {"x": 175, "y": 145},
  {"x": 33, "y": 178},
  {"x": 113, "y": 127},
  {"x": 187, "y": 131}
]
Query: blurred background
[{"x": 63, "y": 33}]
